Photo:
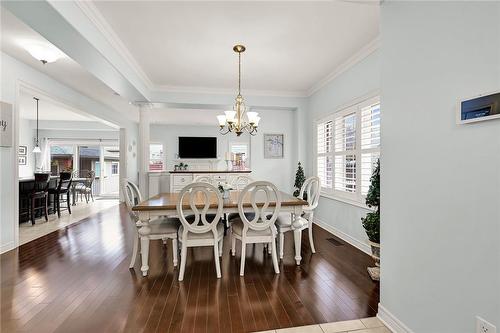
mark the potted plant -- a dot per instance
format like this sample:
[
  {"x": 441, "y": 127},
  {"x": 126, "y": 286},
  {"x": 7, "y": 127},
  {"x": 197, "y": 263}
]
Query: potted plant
[
  {"x": 299, "y": 180},
  {"x": 371, "y": 222}
]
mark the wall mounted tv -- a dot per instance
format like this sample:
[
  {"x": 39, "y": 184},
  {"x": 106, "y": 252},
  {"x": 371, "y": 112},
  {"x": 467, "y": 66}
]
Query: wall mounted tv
[
  {"x": 483, "y": 107},
  {"x": 197, "y": 147}
]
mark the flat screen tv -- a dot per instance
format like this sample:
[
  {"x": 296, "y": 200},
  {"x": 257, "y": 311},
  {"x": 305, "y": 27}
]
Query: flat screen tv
[{"x": 197, "y": 147}]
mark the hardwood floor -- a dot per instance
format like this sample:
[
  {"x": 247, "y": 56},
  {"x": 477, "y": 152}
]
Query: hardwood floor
[{"x": 77, "y": 280}]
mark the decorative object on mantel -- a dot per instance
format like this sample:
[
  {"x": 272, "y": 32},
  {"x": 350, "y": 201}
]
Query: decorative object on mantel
[
  {"x": 224, "y": 188},
  {"x": 371, "y": 222},
  {"x": 232, "y": 121},
  {"x": 299, "y": 180},
  {"x": 37, "y": 147},
  {"x": 6, "y": 133},
  {"x": 273, "y": 145},
  {"x": 229, "y": 160},
  {"x": 181, "y": 166}
]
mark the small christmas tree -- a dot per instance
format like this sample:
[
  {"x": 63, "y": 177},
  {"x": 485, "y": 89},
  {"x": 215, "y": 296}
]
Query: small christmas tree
[
  {"x": 371, "y": 222},
  {"x": 299, "y": 180}
]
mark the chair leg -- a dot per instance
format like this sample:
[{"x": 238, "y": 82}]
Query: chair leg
[
  {"x": 55, "y": 203},
  {"x": 164, "y": 240},
  {"x": 58, "y": 205},
  {"x": 86, "y": 197},
  {"x": 233, "y": 245},
  {"x": 221, "y": 245},
  {"x": 243, "y": 254},
  {"x": 175, "y": 251},
  {"x": 92, "y": 196},
  {"x": 216, "y": 258},
  {"x": 134, "y": 252},
  {"x": 275, "y": 257},
  {"x": 183, "y": 261},
  {"x": 282, "y": 244},
  {"x": 33, "y": 211},
  {"x": 68, "y": 202},
  {"x": 269, "y": 248},
  {"x": 46, "y": 199}
]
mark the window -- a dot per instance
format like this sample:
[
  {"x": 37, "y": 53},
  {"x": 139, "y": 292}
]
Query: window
[
  {"x": 348, "y": 145},
  {"x": 156, "y": 159},
  {"x": 114, "y": 168},
  {"x": 240, "y": 155}
]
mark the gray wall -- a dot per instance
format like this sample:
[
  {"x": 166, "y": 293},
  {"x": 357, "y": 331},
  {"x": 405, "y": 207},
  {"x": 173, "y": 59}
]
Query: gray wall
[
  {"x": 360, "y": 80},
  {"x": 440, "y": 181}
]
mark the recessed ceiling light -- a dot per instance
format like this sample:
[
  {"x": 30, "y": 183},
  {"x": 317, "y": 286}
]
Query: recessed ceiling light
[{"x": 44, "y": 52}]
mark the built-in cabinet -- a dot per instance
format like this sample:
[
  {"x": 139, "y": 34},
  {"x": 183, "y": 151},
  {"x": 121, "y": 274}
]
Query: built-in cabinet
[{"x": 174, "y": 181}]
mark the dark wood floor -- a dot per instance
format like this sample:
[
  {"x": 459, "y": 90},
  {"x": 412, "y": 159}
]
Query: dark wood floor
[{"x": 77, "y": 280}]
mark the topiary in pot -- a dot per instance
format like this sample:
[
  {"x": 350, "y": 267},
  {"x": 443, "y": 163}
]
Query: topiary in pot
[
  {"x": 371, "y": 222},
  {"x": 299, "y": 180}
]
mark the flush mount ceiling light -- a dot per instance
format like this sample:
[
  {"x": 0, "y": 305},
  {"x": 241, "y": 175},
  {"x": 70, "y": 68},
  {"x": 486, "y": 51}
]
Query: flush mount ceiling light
[
  {"x": 233, "y": 121},
  {"x": 43, "y": 52}
]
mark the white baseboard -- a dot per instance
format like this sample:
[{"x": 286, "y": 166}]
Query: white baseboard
[
  {"x": 7, "y": 247},
  {"x": 392, "y": 323},
  {"x": 345, "y": 237}
]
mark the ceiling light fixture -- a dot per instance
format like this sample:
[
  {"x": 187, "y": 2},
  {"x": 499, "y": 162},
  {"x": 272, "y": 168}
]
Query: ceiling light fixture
[
  {"x": 43, "y": 52},
  {"x": 37, "y": 146},
  {"x": 233, "y": 121}
]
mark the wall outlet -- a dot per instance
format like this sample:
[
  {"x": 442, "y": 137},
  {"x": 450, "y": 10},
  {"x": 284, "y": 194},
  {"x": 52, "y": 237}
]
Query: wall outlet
[{"x": 482, "y": 326}]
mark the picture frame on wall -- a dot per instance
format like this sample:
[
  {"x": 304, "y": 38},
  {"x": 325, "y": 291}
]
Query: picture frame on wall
[
  {"x": 21, "y": 160},
  {"x": 274, "y": 145},
  {"x": 6, "y": 130},
  {"x": 23, "y": 150}
]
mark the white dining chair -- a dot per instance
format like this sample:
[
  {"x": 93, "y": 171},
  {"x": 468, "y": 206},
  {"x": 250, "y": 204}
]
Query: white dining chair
[
  {"x": 261, "y": 228},
  {"x": 311, "y": 188},
  {"x": 161, "y": 228},
  {"x": 197, "y": 227}
]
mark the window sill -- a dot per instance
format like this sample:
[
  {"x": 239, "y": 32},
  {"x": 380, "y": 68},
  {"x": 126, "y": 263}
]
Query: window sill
[{"x": 347, "y": 201}]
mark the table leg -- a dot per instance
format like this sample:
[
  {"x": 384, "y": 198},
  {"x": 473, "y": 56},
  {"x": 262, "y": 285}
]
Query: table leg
[
  {"x": 144, "y": 232},
  {"x": 297, "y": 237}
]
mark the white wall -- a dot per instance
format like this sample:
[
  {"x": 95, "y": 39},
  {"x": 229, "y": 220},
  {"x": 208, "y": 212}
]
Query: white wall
[
  {"x": 440, "y": 181},
  {"x": 360, "y": 80},
  {"x": 13, "y": 74},
  {"x": 279, "y": 171}
]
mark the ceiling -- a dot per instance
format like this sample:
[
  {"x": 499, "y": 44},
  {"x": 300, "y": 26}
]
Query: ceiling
[
  {"x": 47, "y": 109},
  {"x": 290, "y": 45},
  {"x": 15, "y": 32}
]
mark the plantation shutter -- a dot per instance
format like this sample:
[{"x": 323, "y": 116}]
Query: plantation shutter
[
  {"x": 324, "y": 148},
  {"x": 345, "y": 153},
  {"x": 370, "y": 143}
]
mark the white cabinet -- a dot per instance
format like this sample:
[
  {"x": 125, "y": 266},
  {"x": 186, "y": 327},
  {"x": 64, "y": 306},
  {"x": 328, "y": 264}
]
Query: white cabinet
[
  {"x": 158, "y": 183},
  {"x": 179, "y": 180}
]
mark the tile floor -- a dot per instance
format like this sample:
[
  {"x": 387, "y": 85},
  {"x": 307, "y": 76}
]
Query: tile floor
[
  {"x": 29, "y": 232},
  {"x": 366, "y": 325}
]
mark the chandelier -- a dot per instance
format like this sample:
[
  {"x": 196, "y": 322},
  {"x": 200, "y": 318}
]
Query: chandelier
[{"x": 233, "y": 121}]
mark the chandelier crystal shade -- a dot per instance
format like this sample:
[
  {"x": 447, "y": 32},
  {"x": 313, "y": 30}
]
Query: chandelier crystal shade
[{"x": 234, "y": 120}]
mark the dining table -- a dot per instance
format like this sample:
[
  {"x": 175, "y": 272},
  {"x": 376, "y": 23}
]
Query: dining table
[{"x": 165, "y": 204}]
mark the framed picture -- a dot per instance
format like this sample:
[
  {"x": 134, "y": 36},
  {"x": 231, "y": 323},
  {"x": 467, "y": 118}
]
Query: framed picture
[
  {"x": 6, "y": 125},
  {"x": 273, "y": 145},
  {"x": 22, "y": 150},
  {"x": 21, "y": 160}
]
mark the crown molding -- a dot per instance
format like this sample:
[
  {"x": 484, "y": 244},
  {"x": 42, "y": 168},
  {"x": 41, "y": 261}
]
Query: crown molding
[
  {"x": 226, "y": 91},
  {"x": 100, "y": 23},
  {"x": 364, "y": 52},
  {"x": 94, "y": 15}
]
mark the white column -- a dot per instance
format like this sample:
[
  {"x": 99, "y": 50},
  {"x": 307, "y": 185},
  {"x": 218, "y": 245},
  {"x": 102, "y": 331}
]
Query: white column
[
  {"x": 144, "y": 138},
  {"x": 76, "y": 158},
  {"x": 103, "y": 169},
  {"x": 123, "y": 160}
]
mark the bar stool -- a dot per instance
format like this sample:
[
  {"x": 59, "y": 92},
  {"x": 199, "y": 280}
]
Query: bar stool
[
  {"x": 63, "y": 187},
  {"x": 39, "y": 193}
]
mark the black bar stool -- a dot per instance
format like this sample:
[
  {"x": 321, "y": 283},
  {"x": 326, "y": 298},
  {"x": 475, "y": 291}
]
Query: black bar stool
[
  {"x": 39, "y": 195},
  {"x": 64, "y": 187}
]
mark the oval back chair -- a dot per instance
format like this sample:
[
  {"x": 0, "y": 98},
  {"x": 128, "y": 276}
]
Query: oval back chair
[
  {"x": 263, "y": 201},
  {"x": 199, "y": 227}
]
